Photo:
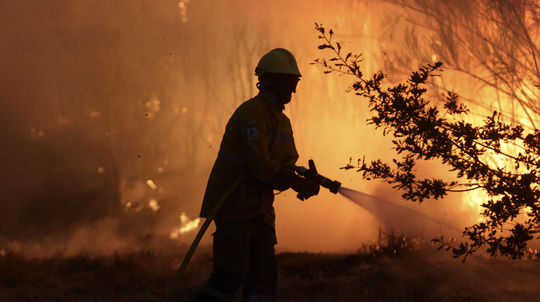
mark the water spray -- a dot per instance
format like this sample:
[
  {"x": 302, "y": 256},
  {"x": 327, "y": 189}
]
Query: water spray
[
  {"x": 381, "y": 208},
  {"x": 387, "y": 210}
]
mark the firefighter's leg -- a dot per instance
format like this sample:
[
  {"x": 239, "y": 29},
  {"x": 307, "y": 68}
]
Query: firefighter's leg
[
  {"x": 260, "y": 284},
  {"x": 231, "y": 261}
]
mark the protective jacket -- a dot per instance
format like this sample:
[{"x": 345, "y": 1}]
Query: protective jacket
[{"x": 258, "y": 143}]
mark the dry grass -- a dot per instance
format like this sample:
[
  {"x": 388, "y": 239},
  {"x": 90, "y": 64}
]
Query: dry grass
[{"x": 398, "y": 270}]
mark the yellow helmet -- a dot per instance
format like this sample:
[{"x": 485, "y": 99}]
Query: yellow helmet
[{"x": 277, "y": 60}]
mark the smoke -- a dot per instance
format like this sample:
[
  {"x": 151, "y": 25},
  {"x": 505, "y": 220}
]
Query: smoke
[
  {"x": 489, "y": 48},
  {"x": 112, "y": 115},
  {"x": 100, "y": 98},
  {"x": 95, "y": 104}
]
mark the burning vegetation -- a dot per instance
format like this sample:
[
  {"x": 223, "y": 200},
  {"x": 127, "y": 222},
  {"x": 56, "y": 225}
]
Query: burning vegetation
[
  {"x": 423, "y": 131},
  {"x": 112, "y": 114}
]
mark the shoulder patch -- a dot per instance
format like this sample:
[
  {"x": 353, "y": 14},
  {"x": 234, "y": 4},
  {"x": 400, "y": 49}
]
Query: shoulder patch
[{"x": 252, "y": 134}]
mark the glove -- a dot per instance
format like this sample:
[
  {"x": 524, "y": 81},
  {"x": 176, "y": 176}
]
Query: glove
[
  {"x": 305, "y": 188},
  {"x": 286, "y": 178}
]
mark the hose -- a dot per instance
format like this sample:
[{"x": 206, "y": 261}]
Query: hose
[{"x": 202, "y": 230}]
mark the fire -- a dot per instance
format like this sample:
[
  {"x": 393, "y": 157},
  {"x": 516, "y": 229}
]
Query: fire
[
  {"x": 473, "y": 201},
  {"x": 153, "y": 204},
  {"x": 183, "y": 10},
  {"x": 186, "y": 225},
  {"x": 150, "y": 183},
  {"x": 329, "y": 124}
]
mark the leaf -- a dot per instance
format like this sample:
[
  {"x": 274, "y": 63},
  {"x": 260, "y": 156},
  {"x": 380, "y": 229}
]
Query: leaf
[{"x": 323, "y": 46}]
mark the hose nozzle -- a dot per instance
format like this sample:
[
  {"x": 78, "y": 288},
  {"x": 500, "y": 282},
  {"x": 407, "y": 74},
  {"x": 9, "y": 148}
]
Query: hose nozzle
[{"x": 311, "y": 173}]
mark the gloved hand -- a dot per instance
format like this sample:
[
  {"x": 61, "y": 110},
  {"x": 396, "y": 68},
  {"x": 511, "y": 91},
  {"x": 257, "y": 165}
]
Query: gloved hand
[
  {"x": 305, "y": 188},
  {"x": 286, "y": 178}
]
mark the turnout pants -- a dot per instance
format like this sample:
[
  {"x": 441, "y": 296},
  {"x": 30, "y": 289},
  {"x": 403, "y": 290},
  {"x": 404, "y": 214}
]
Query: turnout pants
[{"x": 243, "y": 254}]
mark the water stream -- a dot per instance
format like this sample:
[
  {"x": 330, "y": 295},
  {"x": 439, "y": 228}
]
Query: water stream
[{"x": 394, "y": 216}]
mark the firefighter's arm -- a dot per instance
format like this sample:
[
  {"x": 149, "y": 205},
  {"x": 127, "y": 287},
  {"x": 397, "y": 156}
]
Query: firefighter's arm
[
  {"x": 305, "y": 188},
  {"x": 287, "y": 178}
]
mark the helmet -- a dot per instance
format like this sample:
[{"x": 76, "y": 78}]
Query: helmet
[{"x": 278, "y": 60}]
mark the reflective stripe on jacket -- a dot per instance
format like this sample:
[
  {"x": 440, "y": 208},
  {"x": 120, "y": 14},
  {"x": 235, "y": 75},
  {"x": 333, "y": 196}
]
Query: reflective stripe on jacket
[{"x": 257, "y": 143}]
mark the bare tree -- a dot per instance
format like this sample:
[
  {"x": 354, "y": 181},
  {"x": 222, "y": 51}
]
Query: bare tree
[{"x": 493, "y": 42}]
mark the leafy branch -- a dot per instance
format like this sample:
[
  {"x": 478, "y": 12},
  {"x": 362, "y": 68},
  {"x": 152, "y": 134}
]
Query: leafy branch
[{"x": 421, "y": 131}]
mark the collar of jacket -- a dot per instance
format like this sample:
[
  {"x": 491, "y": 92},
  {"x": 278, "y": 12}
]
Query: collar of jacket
[{"x": 271, "y": 97}]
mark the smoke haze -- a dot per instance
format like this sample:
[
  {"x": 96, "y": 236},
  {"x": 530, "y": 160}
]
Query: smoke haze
[{"x": 113, "y": 111}]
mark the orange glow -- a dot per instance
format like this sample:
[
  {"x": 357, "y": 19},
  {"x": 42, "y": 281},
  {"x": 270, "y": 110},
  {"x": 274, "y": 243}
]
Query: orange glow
[
  {"x": 143, "y": 99},
  {"x": 150, "y": 183},
  {"x": 153, "y": 205},
  {"x": 183, "y": 11},
  {"x": 186, "y": 225}
]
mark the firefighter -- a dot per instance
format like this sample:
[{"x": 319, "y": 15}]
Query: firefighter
[{"x": 258, "y": 148}]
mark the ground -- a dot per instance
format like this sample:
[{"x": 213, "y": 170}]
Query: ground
[{"x": 374, "y": 273}]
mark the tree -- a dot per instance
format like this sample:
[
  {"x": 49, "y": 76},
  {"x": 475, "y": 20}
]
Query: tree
[
  {"x": 423, "y": 131},
  {"x": 490, "y": 42}
]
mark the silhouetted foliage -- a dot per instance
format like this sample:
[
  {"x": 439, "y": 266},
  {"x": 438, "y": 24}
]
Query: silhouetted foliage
[{"x": 422, "y": 131}]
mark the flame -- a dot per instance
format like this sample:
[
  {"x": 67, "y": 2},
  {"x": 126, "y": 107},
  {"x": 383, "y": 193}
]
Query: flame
[
  {"x": 150, "y": 183},
  {"x": 472, "y": 201},
  {"x": 186, "y": 225},
  {"x": 183, "y": 10},
  {"x": 153, "y": 204}
]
